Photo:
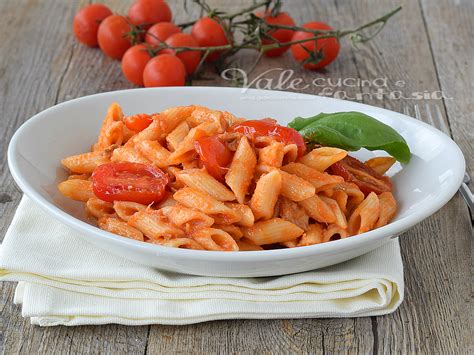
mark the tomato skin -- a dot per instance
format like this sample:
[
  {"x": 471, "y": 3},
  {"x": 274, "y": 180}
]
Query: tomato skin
[
  {"x": 329, "y": 46},
  {"x": 125, "y": 181},
  {"x": 138, "y": 122},
  {"x": 86, "y": 23},
  {"x": 215, "y": 156},
  {"x": 160, "y": 32},
  {"x": 268, "y": 127},
  {"x": 148, "y": 12},
  {"x": 368, "y": 180},
  {"x": 209, "y": 33},
  {"x": 112, "y": 36},
  {"x": 133, "y": 63},
  {"x": 164, "y": 70},
  {"x": 190, "y": 59},
  {"x": 281, "y": 35}
]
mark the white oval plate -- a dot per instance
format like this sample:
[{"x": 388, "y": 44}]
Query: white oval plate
[{"x": 421, "y": 188}]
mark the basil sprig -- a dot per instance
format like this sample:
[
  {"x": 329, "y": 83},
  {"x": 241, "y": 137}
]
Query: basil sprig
[{"x": 352, "y": 131}]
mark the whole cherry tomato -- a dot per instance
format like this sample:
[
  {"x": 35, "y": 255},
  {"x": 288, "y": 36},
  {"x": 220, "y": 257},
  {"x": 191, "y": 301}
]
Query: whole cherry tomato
[
  {"x": 280, "y": 35},
  {"x": 268, "y": 127},
  {"x": 160, "y": 32},
  {"x": 138, "y": 122},
  {"x": 164, "y": 70},
  {"x": 113, "y": 36},
  {"x": 127, "y": 181},
  {"x": 326, "y": 48},
  {"x": 209, "y": 33},
  {"x": 368, "y": 180},
  {"x": 133, "y": 63},
  {"x": 86, "y": 23},
  {"x": 215, "y": 156},
  {"x": 190, "y": 59},
  {"x": 148, "y": 12}
]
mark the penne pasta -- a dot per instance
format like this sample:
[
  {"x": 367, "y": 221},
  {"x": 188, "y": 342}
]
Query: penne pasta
[
  {"x": 234, "y": 231},
  {"x": 154, "y": 225},
  {"x": 116, "y": 226},
  {"x": 99, "y": 209},
  {"x": 271, "y": 155},
  {"x": 244, "y": 212},
  {"x": 154, "y": 152},
  {"x": 130, "y": 154},
  {"x": 241, "y": 170},
  {"x": 177, "y": 135},
  {"x": 245, "y": 244},
  {"x": 112, "y": 128},
  {"x": 317, "y": 209},
  {"x": 87, "y": 162},
  {"x": 388, "y": 209},
  {"x": 215, "y": 239},
  {"x": 322, "y": 158},
  {"x": 290, "y": 153},
  {"x": 334, "y": 206},
  {"x": 183, "y": 243},
  {"x": 335, "y": 232},
  {"x": 319, "y": 180},
  {"x": 381, "y": 164},
  {"x": 187, "y": 219},
  {"x": 275, "y": 230},
  {"x": 293, "y": 212},
  {"x": 126, "y": 209},
  {"x": 265, "y": 195},
  {"x": 77, "y": 189},
  {"x": 365, "y": 215},
  {"x": 202, "y": 181},
  {"x": 295, "y": 188},
  {"x": 313, "y": 235},
  {"x": 203, "y": 202}
]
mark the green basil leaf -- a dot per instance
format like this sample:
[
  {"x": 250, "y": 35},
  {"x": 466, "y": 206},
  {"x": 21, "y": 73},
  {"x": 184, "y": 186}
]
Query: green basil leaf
[{"x": 352, "y": 131}]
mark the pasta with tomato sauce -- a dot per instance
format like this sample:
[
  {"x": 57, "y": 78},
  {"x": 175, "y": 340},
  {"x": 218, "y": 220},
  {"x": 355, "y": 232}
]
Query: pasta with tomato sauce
[{"x": 191, "y": 177}]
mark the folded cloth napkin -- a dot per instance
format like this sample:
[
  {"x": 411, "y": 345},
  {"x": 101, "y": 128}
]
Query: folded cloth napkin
[{"x": 63, "y": 280}]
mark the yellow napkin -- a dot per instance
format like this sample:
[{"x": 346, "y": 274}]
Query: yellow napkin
[{"x": 65, "y": 281}]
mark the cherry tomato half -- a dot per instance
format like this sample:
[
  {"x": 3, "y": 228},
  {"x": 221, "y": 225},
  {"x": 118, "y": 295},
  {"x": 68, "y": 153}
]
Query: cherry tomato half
[
  {"x": 160, "y": 32},
  {"x": 138, "y": 122},
  {"x": 133, "y": 63},
  {"x": 368, "y": 180},
  {"x": 215, "y": 156},
  {"x": 209, "y": 33},
  {"x": 148, "y": 12},
  {"x": 280, "y": 35},
  {"x": 328, "y": 47},
  {"x": 164, "y": 70},
  {"x": 190, "y": 59},
  {"x": 113, "y": 36},
  {"x": 86, "y": 23},
  {"x": 268, "y": 127},
  {"x": 126, "y": 181}
]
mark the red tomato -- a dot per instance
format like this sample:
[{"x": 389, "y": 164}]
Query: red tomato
[
  {"x": 138, "y": 122},
  {"x": 280, "y": 35},
  {"x": 190, "y": 59},
  {"x": 129, "y": 182},
  {"x": 215, "y": 156},
  {"x": 209, "y": 33},
  {"x": 268, "y": 127},
  {"x": 148, "y": 12},
  {"x": 160, "y": 32},
  {"x": 113, "y": 36},
  {"x": 133, "y": 63},
  {"x": 164, "y": 70},
  {"x": 368, "y": 180},
  {"x": 86, "y": 23},
  {"x": 329, "y": 47}
]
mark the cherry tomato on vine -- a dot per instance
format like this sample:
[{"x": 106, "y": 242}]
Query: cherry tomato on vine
[
  {"x": 268, "y": 127},
  {"x": 127, "y": 181},
  {"x": 368, "y": 180},
  {"x": 113, "y": 36},
  {"x": 138, "y": 122},
  {"x": 209, "y": 33},
  {"x": 160, "y": 32},
  {"x": 327, "y": 48},
  {"x": 164, "y": 70},
  {"x": 148, "y": 12},
  {"x": 190, "y": 59},
  {"x": 280, "y": 35},
  {"x": 133, "y": 63},
  {"x": 86, "y": 23},
  {"x": 215, "y": 156}
]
